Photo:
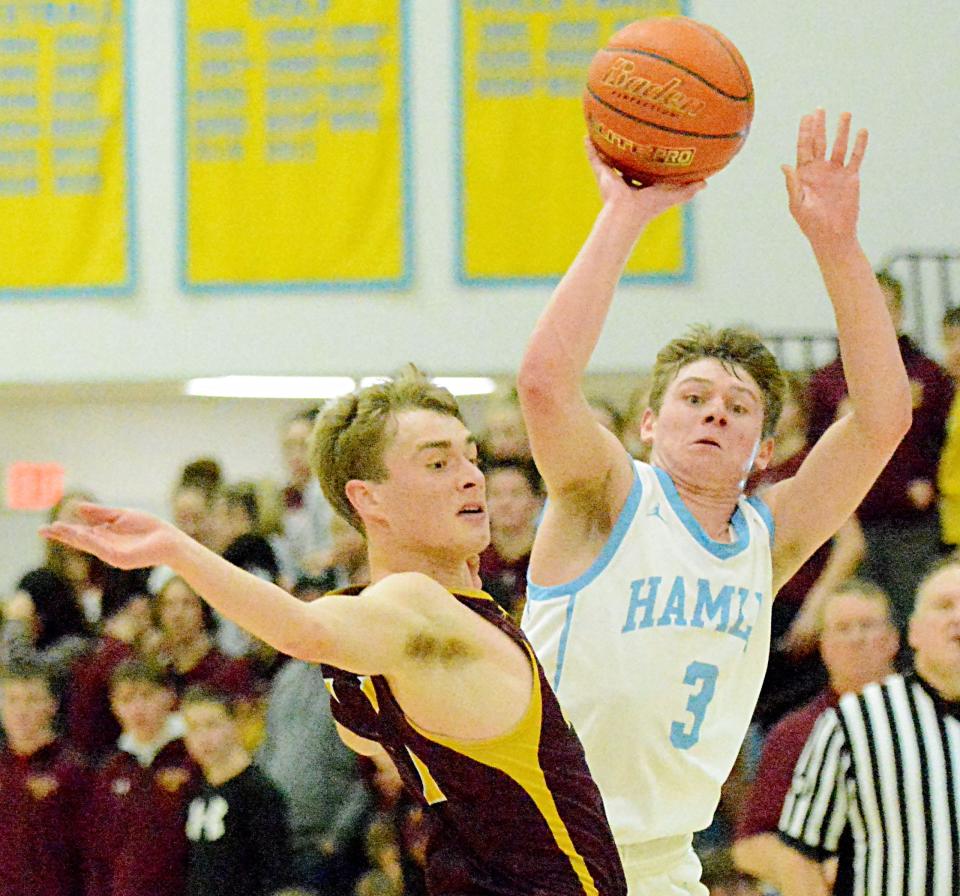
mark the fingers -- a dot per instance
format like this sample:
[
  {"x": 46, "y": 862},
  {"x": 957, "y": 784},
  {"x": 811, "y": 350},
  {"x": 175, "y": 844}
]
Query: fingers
[
  {"x": 685, "y": 192},
  {"x": 66, "y": 533},
  {"x": 805, "y": 141},
  {"x": 859, "y": 149},
  {"x": 95, "y": 514},
  {"x": 819, "y": 134},
  {"x": 839, "y": 154}
]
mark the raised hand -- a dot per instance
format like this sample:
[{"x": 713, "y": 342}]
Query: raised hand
[
  {"x": 645, "y": 202},
  {"x": 825, "y": 192},
  {"x": 127, "y": 539}
]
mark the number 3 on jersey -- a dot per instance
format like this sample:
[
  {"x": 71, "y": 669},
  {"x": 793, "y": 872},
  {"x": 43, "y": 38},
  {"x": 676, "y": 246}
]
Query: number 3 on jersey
[{"x": 706, "y": 674}]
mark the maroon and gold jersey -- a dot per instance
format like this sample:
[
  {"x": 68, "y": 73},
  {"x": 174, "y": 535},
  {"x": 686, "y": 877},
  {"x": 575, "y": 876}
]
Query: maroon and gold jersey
[{"x": 515, "y": 815}]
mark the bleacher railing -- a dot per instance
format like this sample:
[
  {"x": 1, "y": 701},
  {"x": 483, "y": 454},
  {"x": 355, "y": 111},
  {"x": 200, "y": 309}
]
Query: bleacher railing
[{"x": 931, "y": 281}]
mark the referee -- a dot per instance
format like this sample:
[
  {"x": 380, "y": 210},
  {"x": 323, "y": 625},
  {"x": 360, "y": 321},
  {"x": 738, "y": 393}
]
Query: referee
[{"x": 878, "y": 782}]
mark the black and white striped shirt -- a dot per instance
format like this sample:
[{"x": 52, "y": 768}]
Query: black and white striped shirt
[{"x": 878, "y": 784}]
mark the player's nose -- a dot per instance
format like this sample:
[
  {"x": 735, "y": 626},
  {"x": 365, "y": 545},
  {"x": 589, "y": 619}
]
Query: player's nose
[{"x": 472, "y": 475}]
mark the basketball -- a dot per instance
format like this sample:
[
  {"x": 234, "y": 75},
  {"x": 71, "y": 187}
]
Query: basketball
[{"x": 668, "y": 100}]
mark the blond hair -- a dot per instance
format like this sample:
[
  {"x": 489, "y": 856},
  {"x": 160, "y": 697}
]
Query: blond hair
[
  {"x": 350, "y": 436},
  {"x": 732, "y": 347}
]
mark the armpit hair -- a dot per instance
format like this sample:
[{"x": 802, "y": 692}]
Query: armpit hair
[
  {"x": 587, "y": 499},
  {"x": 430, "y": 648}
]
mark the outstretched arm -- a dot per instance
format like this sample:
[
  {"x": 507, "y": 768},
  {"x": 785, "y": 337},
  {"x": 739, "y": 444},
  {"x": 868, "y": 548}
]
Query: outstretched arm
[
  {"x": 824, "y": 194},
  {"x": 362, "y": 635},
  {"x": 575, "y": 455}
]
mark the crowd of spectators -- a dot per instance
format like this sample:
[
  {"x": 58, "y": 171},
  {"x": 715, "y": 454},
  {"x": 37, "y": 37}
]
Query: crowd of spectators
[{"x": 152, "y": 748}]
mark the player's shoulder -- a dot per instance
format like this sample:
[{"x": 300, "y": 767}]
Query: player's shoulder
[{"x": 410, "y": 589}]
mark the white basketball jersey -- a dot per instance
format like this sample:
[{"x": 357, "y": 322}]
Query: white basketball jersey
[{"x": 657, "y": 653}]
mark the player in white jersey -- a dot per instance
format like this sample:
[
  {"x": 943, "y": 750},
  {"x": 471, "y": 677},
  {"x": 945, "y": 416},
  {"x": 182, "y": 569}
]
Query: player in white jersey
[{"x": 651, "y": 585}]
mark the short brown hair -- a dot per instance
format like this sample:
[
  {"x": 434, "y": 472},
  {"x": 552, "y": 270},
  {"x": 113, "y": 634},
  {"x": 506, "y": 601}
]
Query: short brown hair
[
  {"x": 732, "y": 347},
  {"x": 351, "y": 434},
  {"x": 862, "y": 588}
]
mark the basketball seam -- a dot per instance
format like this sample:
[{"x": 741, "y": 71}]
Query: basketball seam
[
  {"x": 730, "y": 96},
  {"x": 723, "y": 41},
  {"x": 660, "y": 127}
]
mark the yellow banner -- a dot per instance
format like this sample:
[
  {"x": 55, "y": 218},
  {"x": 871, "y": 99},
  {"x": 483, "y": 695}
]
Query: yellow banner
[
  {"x": 526, "y": 194},
  {"x": 294, "y": 142},
  {"x": 65, "y": 203}
]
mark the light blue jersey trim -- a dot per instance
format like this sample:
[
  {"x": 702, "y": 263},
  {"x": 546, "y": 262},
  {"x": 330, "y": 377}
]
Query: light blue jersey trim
[
  {"x": 543, "y": 592},
  {"x": 721, "y": 550},
  {"x": 760, "y": 506},
  {"x": 562, "y": 647}
]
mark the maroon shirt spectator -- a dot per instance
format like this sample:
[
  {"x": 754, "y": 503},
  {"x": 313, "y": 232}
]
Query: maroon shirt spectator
[
  {"x": 781, "y": 750},
  {"x": 138, "y": 844},
  {"x": 91, "y": 725},
  {"x": 514, "y": 501},
  {"x": 217, "y": 671},
  {"x": 505, "y": 580},
  {"x": 186, "y": 623},
  {"x": 899, "y": 515},
  {"x": 43, "y": 791},
  {"x": 918, "y": 454},
  {"x": 794, "y": 591},
  {"x": 42, "y": 809}
]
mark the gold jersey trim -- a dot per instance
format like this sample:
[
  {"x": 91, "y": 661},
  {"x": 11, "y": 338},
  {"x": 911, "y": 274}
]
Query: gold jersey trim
[{"x": 517, "y": 755}]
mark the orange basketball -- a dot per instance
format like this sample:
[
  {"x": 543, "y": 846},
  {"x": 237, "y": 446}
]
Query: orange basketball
[{"x": 668, "y": 99}]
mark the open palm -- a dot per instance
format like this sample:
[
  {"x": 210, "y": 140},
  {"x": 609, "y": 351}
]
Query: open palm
[
  {"x": 127, "y": 539},
  {"x": 824, "y": 192}
]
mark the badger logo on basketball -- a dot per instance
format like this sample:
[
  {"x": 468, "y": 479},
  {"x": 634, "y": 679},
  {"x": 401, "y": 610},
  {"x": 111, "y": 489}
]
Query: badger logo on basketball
[{"x": 622, "y": 78}]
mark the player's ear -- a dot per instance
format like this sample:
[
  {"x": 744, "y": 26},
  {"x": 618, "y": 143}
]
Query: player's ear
[
  {"x": 764, "y": 454},
  {"x": 648, "y": 425},
  {"x": 363, "y": 498}
]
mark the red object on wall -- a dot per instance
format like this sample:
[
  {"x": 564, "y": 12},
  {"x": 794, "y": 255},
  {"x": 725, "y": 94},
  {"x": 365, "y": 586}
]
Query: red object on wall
[{"x": 33, "y": 486}]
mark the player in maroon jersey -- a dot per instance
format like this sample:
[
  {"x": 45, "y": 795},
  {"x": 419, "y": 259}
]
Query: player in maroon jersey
[{"x": 422, "y": 663}]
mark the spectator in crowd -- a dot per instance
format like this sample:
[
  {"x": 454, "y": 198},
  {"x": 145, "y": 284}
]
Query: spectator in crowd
[
  {"x": 95, "y": 589},
  {"x": 899, "y": 515},
  {"x": 43, "y": 789},
  {"x": 137, "y": 839},
  {"x": 271, "y": 508},
  {"x": 795, "y": 673},
  {"x": 876, "y": 784},
  {"x": 191, "y": 508},
  {"x": 236, "y": 536},
  {"x": 397, "y": 834},
  {"x": 948, "y": 472},
  {"x": 91, "y": 724},
  {"x": 504, "y": 433},
  {"x": 514, "y": 499},
  {"x": 858, "y": 643},
  {"x": 186, "y": 624},
  {"x": 307, "y": 514},
  {"x": 385, "y": 856},
  {"x": 319, "y": 776},
  {"x": 203, "y": 474},
  {"x": 237, "y": 825},
  {"x": 42, "y": 620}
]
